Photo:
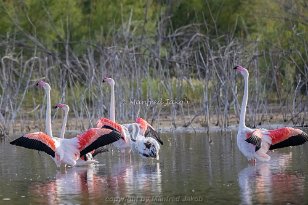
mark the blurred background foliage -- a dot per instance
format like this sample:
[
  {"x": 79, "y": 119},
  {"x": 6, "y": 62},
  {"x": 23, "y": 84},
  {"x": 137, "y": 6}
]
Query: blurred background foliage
[{"x": 163, "y": 49}]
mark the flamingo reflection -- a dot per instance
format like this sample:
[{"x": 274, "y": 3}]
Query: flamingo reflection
[
  {"x": 271, "y": 183},
  {"x": 99, "y": 182}
]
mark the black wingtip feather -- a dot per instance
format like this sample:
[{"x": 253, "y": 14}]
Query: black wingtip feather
[
  {"x": 101, "y": 141},
  {"x": 291, "y": 141},
  {"x": 100, "y": 150},
  {"x": 33, "y": 144},
  {"x": 154, "y": 135}
]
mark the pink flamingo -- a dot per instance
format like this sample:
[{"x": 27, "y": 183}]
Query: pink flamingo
[
  {"x": 89, "y": 157},
  {"x": 255, "y": 143},
  {"x": 68, "y": 151}
]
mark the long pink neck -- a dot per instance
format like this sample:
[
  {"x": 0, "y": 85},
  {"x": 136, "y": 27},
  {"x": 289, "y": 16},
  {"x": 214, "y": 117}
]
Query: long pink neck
[
  {"x": 112, "y": 104},
  {"x": 48, "y": 129},
  {"x": 244, "y": 102},
  {"x": 63, "y": 128}
]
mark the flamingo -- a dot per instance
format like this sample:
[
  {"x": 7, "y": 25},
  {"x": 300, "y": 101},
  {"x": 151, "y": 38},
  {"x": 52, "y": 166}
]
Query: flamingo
[
  {"x": 47, "y": 88},
  {"x": 68, "y": 151},
  {"x": 124, "y": 143},
  {"x": 255, "y": 143},
  {"x": 137, "y": 132},
  {"x": 141, "y": 122},
  {"x": 145, "y": 146},
  {"x": 89, "y": 157}
]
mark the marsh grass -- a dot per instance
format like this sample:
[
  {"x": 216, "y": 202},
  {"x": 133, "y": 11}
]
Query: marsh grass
[{"x": 193, "y": 72}]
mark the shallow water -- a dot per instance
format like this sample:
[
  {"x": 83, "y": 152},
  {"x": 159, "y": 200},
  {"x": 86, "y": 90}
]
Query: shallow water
[{"x": 192, "y": 169}]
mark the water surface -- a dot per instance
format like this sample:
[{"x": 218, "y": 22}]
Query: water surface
[{"x": 192, "y": 169}]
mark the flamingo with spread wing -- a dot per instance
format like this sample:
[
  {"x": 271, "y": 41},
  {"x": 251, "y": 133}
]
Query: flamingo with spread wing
[
  {"x": 68, "y": 151},
  {"x": 89, "y": 157}
]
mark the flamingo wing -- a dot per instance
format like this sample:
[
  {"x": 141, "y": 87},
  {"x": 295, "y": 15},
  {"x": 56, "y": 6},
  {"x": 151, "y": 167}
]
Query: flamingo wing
[
  {"x": 99, "y": 150},
  {"x": 148, "y": 129},
  {"x": 37, "y": 141},
  {"x": 154, "y": 134},
  {"x": 109, "y": 124},
  {"x": 255, "y": 138},
  {"x": 285, "y": 137},
  {"x": 95, "y": 138}
]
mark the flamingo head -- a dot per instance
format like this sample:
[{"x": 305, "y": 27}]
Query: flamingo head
[
  {"x": 43, "y": 84},
  {"x": 64, "y": 107},
  {"x": 241, "y": 70},
  {"x": 146, "y": 129},
  {"x": 148, "y": 147},
  {"x": 109, "y": 80}
]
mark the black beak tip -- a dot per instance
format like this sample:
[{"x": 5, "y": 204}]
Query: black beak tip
[{"x": 235, "y": 67}]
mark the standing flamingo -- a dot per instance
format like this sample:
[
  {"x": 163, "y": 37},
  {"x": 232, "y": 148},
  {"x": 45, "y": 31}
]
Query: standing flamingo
[
  {"x": 145, "y": 146},
  {"x": 48, "y": 127},
  {"x": 89, "y": 157},
  {"x": 138, "y": 137},
  {"x": 47, "y": 88},
  {"x": 255, "y": 143},
  {"x": 124, "y": 144},
  {"x": 68, "y": 151}
]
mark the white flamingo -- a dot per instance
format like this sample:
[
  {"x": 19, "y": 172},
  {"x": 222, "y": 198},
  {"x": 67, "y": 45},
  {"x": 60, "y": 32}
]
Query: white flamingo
[
  {"x": 47, "y": 88},
  {"x": 137, "y": 132},
  {"x": 255, "y": 143},
  {"x": 125, "y": 143}
]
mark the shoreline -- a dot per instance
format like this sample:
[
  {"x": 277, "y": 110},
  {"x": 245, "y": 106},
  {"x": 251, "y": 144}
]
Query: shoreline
[{"x": 164, "y": 125}]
